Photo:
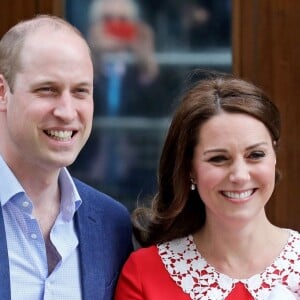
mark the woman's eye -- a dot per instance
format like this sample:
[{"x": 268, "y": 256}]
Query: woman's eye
[
  {"x": 257, "y": 155},
  {"x": 218, "y": 159}
]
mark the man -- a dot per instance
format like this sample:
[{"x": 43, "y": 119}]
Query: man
[
  {"x": 128, "y": 87},
  {"x": 59, "y": 238},
  {"x": 128, "y": 81}
]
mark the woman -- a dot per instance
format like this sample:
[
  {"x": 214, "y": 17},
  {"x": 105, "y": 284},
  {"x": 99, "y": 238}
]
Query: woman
[{"x": 207, "y": 231}]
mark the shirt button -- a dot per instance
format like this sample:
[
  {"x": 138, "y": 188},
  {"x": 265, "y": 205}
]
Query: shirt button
[
  {"x": 25, "y": 204},
  {"x": 33, "y": 236}
]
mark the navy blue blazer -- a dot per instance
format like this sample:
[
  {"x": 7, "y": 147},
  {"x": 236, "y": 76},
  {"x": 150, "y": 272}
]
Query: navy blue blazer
[{"x": 105, "y": 241}]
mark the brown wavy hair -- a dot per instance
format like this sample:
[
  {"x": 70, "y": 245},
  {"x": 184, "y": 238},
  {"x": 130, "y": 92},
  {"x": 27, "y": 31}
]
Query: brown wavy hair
[{"x": 177, "y": 211}]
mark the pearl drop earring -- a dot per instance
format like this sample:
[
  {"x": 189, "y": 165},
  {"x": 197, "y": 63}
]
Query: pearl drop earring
[{"x": 193, "y": 186}]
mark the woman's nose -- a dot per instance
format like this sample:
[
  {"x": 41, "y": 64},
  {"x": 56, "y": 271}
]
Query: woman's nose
[{"x": 239, "y": 172}]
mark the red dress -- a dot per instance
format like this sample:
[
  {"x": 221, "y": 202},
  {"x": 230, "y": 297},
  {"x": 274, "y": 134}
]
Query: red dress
[{"x": 176, "y": 270}]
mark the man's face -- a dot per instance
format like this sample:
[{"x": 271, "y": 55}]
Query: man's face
[{"x": 49, "y": 113}]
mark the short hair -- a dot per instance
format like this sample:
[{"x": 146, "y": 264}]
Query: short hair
[
  {"x": 12, "y": 42},
  {"x": 96, "y": 7},
  {"x": 176, "y": 210}
]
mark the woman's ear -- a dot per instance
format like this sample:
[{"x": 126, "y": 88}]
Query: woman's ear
[
  {"x": 192, "y": 173},
  {"x": 193, "y": 184},
  {"x": 4, "y": 89}
]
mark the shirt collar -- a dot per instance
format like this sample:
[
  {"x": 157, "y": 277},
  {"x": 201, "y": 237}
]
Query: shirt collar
[
  {"x": 70, "y": 199},
  {"x": 10, "y": 186}
]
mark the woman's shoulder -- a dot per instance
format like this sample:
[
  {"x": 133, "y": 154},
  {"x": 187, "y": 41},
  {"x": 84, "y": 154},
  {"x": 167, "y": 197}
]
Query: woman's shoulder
[
  {"x": 145, "y": 253},
  {"x": 293, "y": 243},
  {"x": 292, "y": 247},
  {"x": 295, "y": 233},
  {"x": 145, "y": 260}
]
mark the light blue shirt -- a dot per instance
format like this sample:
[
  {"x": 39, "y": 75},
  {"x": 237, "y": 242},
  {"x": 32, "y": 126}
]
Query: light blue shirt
[{"x": 26, "y": 247}]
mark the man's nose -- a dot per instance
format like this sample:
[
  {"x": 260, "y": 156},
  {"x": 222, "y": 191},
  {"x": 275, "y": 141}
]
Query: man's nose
[{"x": 65, "y": 107}]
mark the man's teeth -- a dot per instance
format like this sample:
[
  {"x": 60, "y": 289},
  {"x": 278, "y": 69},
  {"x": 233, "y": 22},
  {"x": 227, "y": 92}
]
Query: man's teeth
[
  {"x": 235, "y": 195},
  {"x": 60, "y": 134}
]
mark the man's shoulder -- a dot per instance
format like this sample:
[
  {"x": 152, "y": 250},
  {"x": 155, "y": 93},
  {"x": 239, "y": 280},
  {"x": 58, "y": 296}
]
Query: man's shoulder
[{"x": 97, "y": 199}]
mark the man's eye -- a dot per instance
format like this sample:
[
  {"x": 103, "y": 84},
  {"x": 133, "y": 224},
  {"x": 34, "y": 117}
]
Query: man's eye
[
  {"x": 82, "y": 92},
  {"x": 46, "y": 89},
  {"x": 257, "y": 155}
]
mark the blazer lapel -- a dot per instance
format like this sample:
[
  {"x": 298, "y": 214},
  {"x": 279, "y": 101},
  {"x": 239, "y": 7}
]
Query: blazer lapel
[
  {"x": 90, "y": 231},
  {"x": 4, "y": 264}
]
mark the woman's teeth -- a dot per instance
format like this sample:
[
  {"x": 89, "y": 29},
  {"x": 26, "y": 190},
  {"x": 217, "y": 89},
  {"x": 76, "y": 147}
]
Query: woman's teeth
[{"x": 236, "y": 195}]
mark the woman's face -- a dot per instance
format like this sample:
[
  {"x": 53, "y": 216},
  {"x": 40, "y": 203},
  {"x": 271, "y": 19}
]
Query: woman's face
[{"x": 234, "y": 168}]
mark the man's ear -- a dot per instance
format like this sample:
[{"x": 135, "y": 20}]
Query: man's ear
[{"x": 4, "y": 89}]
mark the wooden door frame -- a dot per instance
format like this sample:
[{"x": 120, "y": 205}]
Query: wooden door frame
[{"x": 266, "y": 51}]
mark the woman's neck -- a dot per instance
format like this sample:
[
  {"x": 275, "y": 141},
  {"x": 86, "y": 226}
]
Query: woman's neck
[{"x": 242, "y": 252}]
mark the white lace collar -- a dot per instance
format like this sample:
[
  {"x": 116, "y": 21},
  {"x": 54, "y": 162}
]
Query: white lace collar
[{"x": 197, "y": 278}]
